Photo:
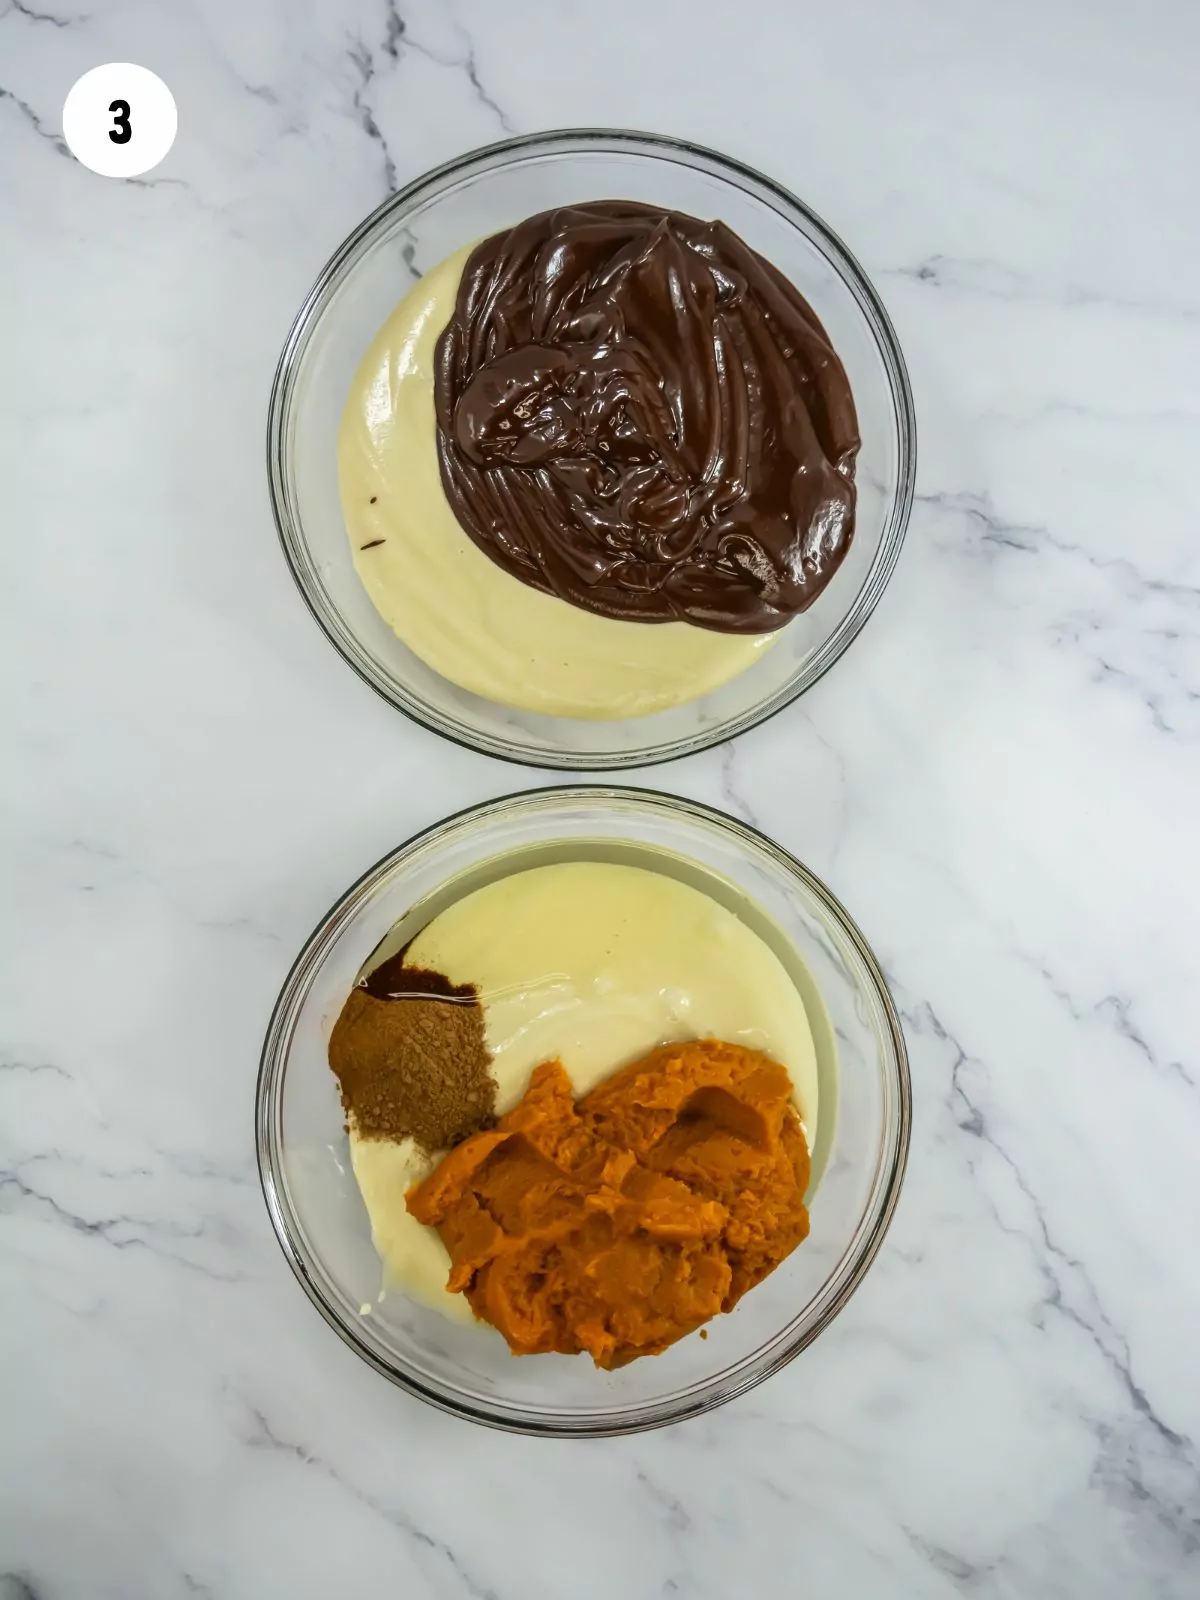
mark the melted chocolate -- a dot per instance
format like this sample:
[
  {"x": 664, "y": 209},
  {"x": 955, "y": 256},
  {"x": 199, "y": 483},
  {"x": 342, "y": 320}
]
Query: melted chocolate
[{"x": 640, "y": 415}]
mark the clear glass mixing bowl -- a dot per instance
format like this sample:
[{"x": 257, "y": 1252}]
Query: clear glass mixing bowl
[
  {"x": 475, "y": 196},
  {"x": 860, "y": 1154}
]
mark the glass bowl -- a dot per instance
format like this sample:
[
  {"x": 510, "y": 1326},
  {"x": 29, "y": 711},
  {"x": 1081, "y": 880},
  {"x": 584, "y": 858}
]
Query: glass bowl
[
  {"x": 860, "y": 1154},
  {"x": 475, "y": 196}
]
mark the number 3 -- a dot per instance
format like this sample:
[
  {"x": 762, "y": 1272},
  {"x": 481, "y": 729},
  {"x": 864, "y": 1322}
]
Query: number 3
[{"x": 121, "y": 133}]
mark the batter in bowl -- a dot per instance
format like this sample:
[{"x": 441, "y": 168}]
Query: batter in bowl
[{"x": 592, "y": 964}]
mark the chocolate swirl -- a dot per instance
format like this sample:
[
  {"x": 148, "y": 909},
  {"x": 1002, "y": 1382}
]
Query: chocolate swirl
[{"x": 638, "y": 414}]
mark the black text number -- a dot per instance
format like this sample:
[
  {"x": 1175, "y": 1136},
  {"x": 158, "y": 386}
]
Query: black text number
[{"x": 121, "y": 132}]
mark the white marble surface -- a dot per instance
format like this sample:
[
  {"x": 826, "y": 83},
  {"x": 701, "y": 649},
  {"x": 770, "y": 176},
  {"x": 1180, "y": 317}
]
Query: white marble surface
[{"x": 1001, "y": 780}]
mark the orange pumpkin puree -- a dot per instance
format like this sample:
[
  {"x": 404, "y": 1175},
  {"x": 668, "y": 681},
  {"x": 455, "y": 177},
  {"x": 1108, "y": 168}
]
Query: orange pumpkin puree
[{"x": 619, "y": 1223}]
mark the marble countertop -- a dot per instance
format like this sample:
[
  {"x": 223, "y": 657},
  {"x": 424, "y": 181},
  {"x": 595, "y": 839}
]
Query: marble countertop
[{"x": 1000, "y": 780}]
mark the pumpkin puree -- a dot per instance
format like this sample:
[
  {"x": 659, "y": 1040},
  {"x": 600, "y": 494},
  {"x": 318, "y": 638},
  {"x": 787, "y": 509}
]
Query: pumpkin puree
[{"x": 619, "y": 1223}]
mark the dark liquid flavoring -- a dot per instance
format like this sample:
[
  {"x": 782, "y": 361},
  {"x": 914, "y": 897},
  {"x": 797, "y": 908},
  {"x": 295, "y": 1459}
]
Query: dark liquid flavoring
[{"x": 393, "y": 980}]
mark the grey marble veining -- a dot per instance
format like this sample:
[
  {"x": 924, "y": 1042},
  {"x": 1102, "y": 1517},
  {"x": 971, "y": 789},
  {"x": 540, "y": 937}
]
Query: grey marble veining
[{"x": 1000, "y": 780}]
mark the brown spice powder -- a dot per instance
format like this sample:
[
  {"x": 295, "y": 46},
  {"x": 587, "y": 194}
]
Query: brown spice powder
[{"x": 409, "y": 1055}]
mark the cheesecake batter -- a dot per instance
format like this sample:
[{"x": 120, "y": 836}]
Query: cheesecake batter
[
  {"x": 454, "y": 607},
  {"x": 593, "y": 964}
]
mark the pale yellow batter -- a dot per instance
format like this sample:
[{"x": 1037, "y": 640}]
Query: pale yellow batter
[
  {"x": 593, "y": 963},
  {"x": 453, "y": 606}
]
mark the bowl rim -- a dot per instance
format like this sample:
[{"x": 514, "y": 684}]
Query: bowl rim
[
  {"x": 411, "y": 705},
  {"x": 272, "y": 1073}
]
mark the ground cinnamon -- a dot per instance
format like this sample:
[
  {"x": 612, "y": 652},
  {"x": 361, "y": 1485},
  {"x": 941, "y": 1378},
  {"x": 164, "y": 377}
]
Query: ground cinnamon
[{"x": 409, "y": 1054}]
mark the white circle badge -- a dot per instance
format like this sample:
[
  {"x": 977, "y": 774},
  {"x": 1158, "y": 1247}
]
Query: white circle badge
[{"x": 120, "y": 120}]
